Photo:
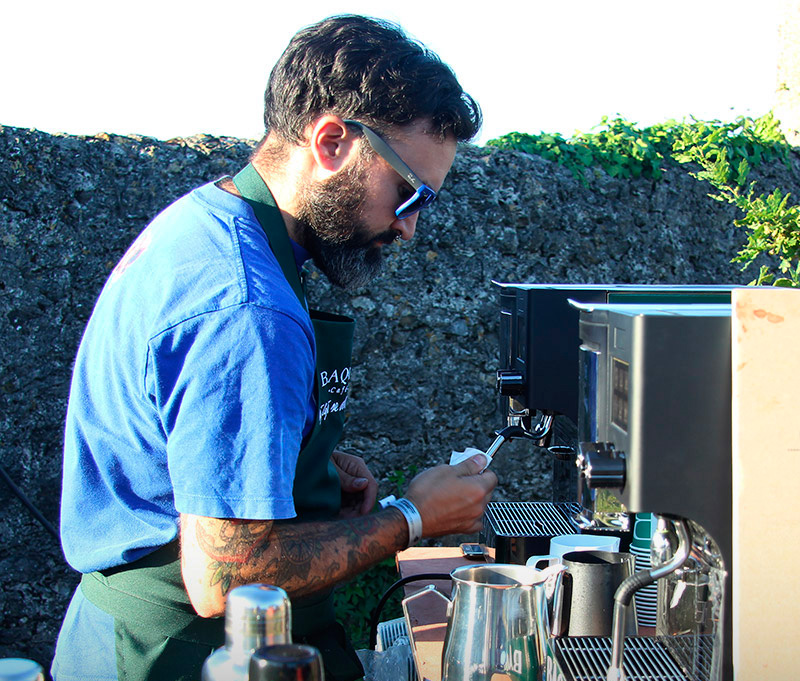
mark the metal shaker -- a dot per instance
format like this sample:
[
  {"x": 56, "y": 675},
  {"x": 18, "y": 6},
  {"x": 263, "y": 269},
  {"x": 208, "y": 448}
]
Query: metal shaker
[
  {"x": 256, "y": 615},
  {"x": 288, "y": 662}
]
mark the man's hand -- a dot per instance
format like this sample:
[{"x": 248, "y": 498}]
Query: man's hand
[
  {"x": 359, "y": 487},
  {"x": 452, "y": 499}
]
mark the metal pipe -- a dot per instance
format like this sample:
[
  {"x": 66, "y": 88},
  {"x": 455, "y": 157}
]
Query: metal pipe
[
  {"x": 29, "y": 505},
  {"x": 624, "y": 596}
]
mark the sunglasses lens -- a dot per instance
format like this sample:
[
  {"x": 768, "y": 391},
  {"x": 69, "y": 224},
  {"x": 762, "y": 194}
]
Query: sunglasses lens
[{"x": 424, "y": 196}]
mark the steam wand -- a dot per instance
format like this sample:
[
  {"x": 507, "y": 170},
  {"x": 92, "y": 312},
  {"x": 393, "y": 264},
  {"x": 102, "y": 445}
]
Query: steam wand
[
  {"x": 624, "y": 596},
  {"x": 503, "y": 436}
]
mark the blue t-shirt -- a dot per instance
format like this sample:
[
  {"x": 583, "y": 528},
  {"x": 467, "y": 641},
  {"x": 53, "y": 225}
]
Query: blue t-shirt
[{"x": 192, "y": 388}]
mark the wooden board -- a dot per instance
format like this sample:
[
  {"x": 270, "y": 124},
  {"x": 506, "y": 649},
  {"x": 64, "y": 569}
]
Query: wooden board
[{"x": 766, "y": 454}]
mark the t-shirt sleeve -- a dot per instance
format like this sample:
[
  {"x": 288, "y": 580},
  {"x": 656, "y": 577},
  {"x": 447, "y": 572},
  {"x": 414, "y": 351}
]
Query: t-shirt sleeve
[{"x": 233, "y": 390}]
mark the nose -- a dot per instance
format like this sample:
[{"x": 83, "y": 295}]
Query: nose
[{"x": 406, "y": 227}]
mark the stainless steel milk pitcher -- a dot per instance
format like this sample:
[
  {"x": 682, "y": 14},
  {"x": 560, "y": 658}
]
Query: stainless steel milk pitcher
[
  {"x": 498, "y": 621},
  {"x": 587, "y": 595}
]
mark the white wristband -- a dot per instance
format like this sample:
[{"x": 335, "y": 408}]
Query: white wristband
[{"x": 411, "y": 514}]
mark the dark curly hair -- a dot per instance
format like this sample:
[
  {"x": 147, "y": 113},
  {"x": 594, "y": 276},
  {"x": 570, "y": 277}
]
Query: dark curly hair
[{"x": 368, "y": 70}]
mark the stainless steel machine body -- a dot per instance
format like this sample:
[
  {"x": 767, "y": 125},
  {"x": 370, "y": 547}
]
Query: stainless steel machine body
[
  {"x": 539, "y": 342},
  {"x": 655, "y": 428},
  {"x": 538, "y": 385},
  {"x": 643, "y": 373}
]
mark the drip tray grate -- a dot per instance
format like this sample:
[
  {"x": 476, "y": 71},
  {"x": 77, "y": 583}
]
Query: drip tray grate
[
  {"x": 645, "y": 658},
  {"x": 530, "y": 518}
]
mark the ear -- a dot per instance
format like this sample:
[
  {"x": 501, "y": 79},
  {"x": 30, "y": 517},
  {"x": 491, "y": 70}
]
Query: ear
[{"x": 332, "y": 144}]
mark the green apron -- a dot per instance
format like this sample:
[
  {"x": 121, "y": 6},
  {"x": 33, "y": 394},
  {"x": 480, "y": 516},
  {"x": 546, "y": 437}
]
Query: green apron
[{"x": 158, "y": 635}]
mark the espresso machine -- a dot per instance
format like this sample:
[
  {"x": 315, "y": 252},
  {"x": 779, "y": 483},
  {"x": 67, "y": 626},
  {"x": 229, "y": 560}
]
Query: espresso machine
[
  {"x": 654, "y": 428},
  {"x": 538, "y": 384}
]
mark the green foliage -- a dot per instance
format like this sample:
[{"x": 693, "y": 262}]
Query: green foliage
[
  {"x": 732, "y": 148},
  {"x": 617, "y": 146},
  {"x": 725, "y": 153},
  {"x": 625, "y": 151},
  {"x": 356, "y": 600},
  {"x": 772, "y": 224},
  {"x": 399, "y": 479}
]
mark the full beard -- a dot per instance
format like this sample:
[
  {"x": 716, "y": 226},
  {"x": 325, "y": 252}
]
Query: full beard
[{"x": 330, "y": 224}]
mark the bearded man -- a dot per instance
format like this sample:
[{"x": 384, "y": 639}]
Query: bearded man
[{"x": 207, "y": 400}]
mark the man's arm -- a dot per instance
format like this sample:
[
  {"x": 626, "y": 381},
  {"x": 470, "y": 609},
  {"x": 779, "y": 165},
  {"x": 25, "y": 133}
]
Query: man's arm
[{"x": 220, "y": 554}]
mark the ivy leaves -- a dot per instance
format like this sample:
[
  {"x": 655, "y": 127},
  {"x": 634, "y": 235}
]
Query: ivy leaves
[
  {"x": 616, "y": 146},
  {"x": 724, "y": 153},
  {"x": 772, "y": 224},
  {"x": 625, "y": 151}
]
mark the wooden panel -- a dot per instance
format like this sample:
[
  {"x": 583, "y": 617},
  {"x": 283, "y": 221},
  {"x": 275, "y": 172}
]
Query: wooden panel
[{"x": 766, "y": 454}]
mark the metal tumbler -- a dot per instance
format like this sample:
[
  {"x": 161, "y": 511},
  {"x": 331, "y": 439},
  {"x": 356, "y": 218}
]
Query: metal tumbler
[{"x": 289, "y": 662}]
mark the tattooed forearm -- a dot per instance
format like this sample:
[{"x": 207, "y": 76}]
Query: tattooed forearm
[
  {"x": 231, "y": 545},
  {"x": 314, "y": 555},
  {"x": 220, "y": 554},
  {"x": 300, "y": 563},
  {"x": 233, "y": 541}
]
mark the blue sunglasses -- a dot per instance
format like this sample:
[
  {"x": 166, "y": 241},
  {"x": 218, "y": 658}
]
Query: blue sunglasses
[{"x": 423, "y": 195}]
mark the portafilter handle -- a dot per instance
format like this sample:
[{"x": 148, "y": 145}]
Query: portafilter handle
[
  {"x": 503, "y": 436},
  {"x": 516, "y": 431}
]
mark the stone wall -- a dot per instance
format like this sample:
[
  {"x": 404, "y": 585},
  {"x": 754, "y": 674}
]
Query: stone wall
[{"x": 426, "y": 345}]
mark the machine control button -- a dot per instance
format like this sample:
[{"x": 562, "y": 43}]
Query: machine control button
[
  {"x": 510, "y": 383},
  {"x": 600, "y": 465}
]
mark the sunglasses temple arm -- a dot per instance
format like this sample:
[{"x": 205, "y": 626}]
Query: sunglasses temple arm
[{"x": 392, "y": 158}]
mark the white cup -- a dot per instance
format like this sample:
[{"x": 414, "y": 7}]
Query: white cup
[{"x": 566, "y": 543}]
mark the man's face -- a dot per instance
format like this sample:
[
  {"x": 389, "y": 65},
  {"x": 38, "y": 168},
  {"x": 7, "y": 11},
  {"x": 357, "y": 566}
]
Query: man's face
[
  {"x": 345, "y": 220},
  {"x": 333, "y": 231}
]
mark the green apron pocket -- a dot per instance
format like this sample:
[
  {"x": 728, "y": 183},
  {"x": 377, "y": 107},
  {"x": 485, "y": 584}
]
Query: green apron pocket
[{"x": 146, "y": 655}]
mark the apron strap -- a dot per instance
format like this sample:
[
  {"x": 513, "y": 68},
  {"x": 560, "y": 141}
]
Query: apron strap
[{"x": 255, "y": 191}]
